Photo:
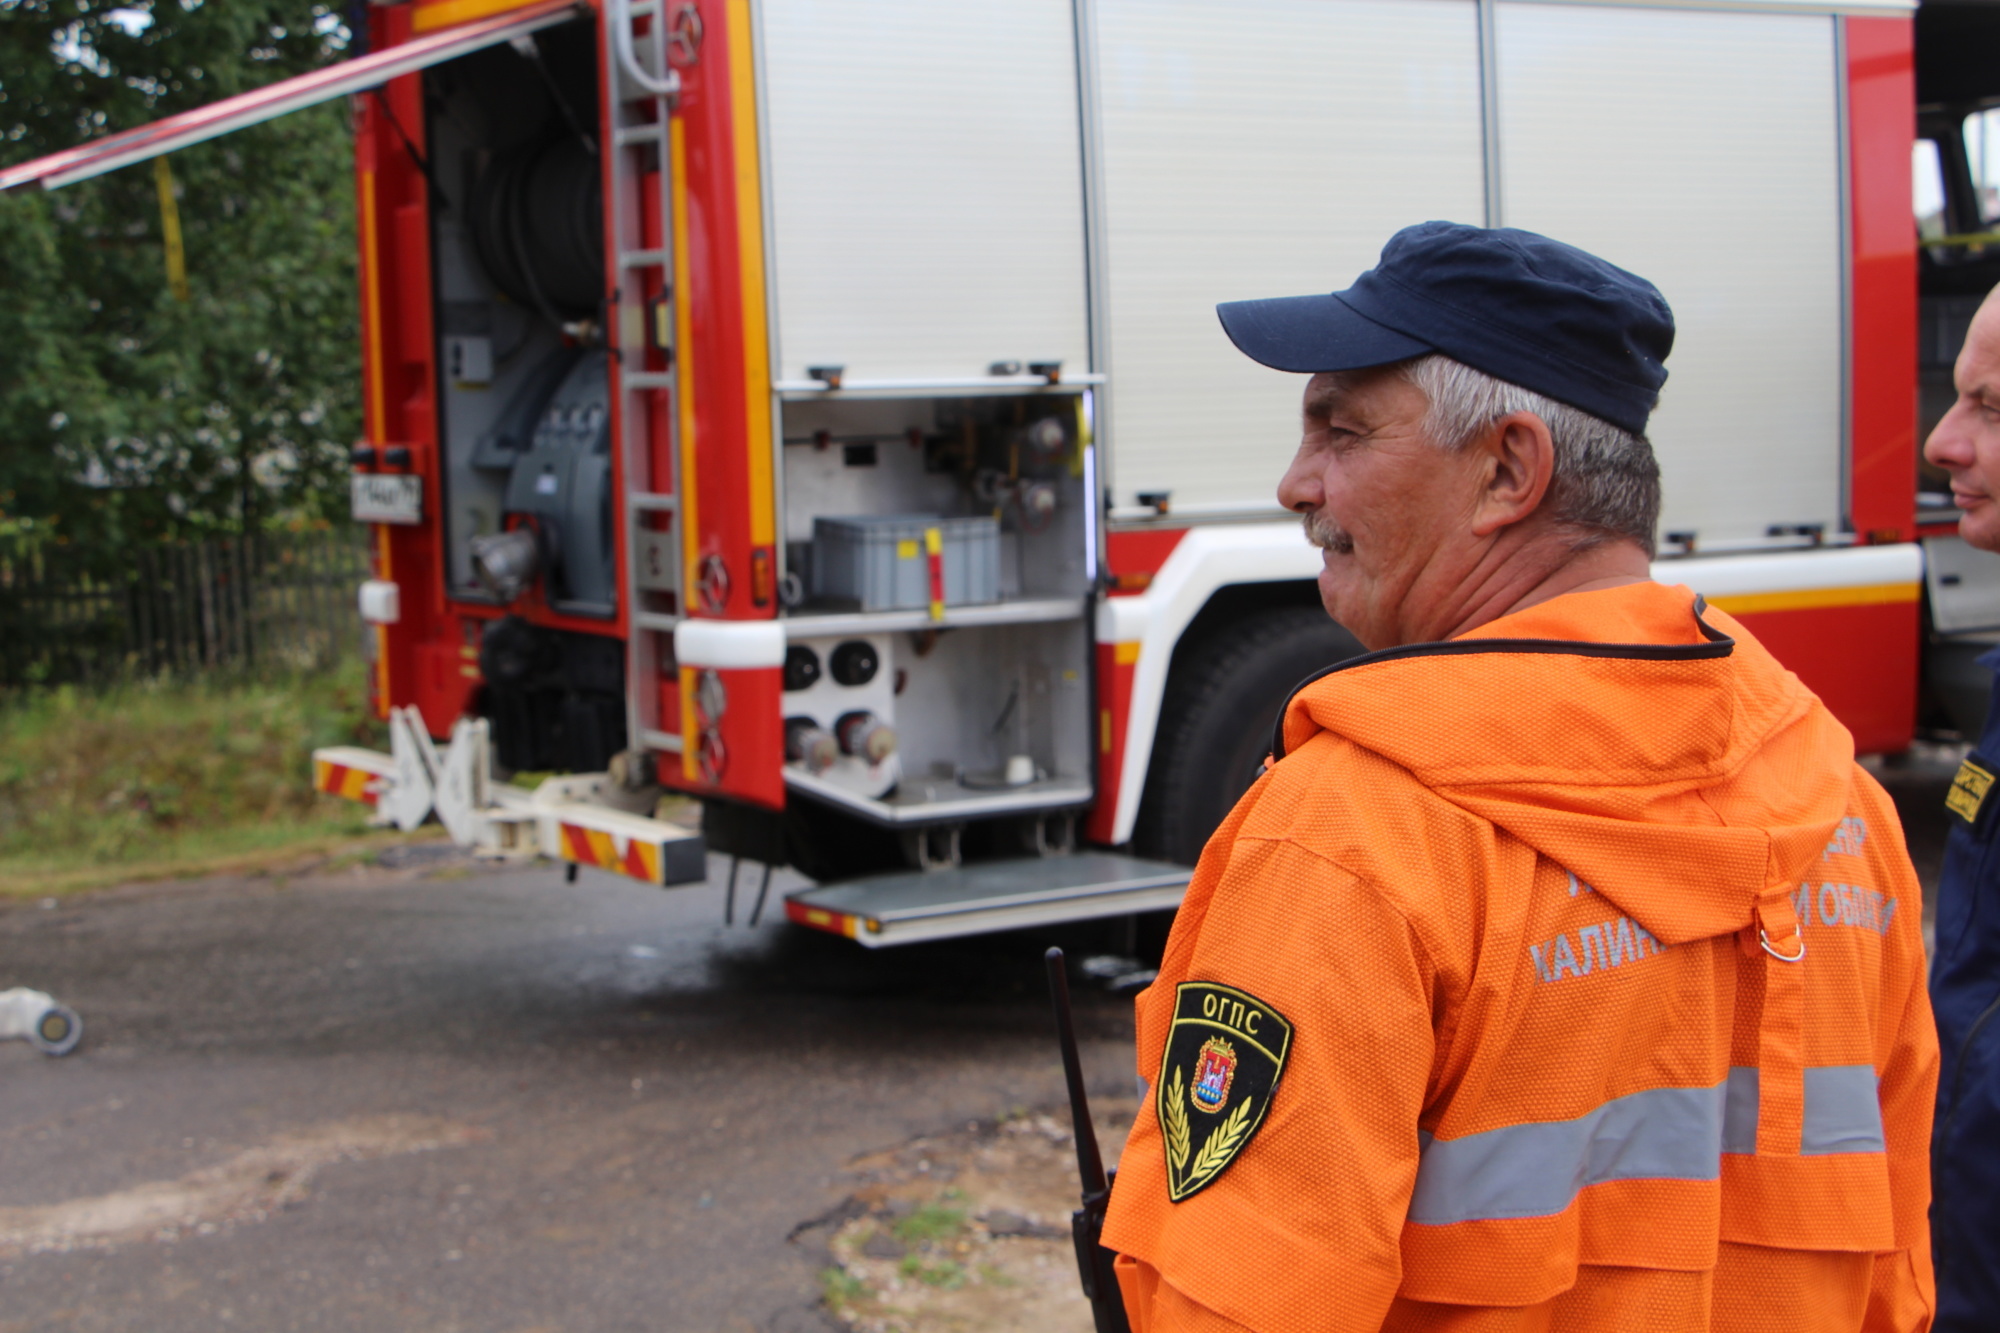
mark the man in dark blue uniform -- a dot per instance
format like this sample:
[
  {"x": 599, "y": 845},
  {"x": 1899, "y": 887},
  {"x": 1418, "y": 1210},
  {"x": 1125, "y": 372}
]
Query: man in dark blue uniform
[{"x": 1965, "y": 970}]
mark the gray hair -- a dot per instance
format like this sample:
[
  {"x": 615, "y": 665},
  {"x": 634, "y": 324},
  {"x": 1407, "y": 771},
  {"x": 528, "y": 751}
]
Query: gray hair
[{"x": 1607, "y": 482}]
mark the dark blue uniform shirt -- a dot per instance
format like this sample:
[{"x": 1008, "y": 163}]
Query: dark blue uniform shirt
[{"x": 1965, "y": 991}]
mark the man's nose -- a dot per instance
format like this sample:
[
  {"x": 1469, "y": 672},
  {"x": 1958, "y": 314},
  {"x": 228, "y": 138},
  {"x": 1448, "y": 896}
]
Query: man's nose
[
  {"x": 1299, "y": 489},
  {"x": 1950, "y": 444}
]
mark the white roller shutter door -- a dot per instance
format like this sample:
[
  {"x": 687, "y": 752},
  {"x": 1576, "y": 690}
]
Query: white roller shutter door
[
  {"x": 926, "y": 186},
  {"x": 1701, "y": 150},
  {"x": 1265, "y": 148}
]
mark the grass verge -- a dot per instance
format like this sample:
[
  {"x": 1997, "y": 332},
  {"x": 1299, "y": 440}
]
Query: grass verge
[{"x": 175, "y": 778}]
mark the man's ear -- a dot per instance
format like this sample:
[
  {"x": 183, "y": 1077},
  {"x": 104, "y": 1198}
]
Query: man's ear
[{"x": 1520, "y": 462}]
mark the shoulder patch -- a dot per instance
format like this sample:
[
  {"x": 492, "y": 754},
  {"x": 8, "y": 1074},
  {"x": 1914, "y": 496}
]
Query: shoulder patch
[
  {"x": 1968, "y": 791},
  {"x": 1224, "y": 1054}
]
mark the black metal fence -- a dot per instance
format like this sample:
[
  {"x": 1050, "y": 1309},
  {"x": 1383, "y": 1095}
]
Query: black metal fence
[{"x": 277, "y": 601}]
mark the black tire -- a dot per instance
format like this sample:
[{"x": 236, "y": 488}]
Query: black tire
[{"x": 1215, "y": 722}]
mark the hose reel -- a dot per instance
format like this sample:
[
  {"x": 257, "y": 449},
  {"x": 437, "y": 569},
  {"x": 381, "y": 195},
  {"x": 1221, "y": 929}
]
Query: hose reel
[{"x": 537, "y": 222}]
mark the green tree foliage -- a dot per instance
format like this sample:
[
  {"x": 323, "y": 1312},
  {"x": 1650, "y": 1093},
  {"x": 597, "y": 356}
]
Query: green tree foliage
[{"x": 127, "y": 415}]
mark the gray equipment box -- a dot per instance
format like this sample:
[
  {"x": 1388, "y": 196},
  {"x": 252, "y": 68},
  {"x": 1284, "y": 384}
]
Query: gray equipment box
[{"x": 877, "y": 561}]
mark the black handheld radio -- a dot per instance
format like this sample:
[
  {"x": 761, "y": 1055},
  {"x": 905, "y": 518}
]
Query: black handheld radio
[{"x": 1086, "y": 1224}]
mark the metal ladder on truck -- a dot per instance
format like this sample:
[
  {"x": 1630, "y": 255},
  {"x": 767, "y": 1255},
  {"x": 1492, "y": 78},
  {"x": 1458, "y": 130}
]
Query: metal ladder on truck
[{"x": 644, "y": 88}]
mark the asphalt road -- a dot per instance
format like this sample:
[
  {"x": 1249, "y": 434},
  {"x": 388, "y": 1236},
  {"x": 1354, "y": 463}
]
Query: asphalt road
[
  {"x": 441, "y": 1098},
  {"x": 449, "y": 1099}
]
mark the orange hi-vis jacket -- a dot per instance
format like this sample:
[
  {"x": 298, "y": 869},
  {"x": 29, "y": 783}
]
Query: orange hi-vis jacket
[{"x": 1486, "y": 1008}]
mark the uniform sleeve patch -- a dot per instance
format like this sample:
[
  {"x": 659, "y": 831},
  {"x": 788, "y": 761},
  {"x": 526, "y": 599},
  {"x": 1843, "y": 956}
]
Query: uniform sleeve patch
[
  {"x": 1224, "y": 1054},
  {"x": 1968, "y": 791}
]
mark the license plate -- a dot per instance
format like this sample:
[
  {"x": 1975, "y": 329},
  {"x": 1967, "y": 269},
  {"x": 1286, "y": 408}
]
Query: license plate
[{"x": 380, "y": 498}]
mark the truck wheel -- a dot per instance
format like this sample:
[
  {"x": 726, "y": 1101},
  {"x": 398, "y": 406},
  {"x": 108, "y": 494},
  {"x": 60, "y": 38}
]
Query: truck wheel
[{"x": 1221, "y": 702}]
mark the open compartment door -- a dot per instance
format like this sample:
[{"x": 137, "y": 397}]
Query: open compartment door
[{"x": 268, "y": 103}]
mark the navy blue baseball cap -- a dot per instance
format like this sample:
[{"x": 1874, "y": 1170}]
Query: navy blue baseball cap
[{"x": 1519, "y": 306}]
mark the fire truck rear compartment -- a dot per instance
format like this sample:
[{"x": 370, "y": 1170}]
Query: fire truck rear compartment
[
  {"x": 524, "y": 419},
  {"x": 972, "y": 735},
  {"x": 985, "y": 682},
  {"x": 518, "y": 272}
]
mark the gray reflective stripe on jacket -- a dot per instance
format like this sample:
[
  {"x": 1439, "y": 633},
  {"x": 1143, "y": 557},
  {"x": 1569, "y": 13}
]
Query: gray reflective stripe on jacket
[
  {"x": 1843, "y": 1111},
  {"x": 1535, "y": 1170}
]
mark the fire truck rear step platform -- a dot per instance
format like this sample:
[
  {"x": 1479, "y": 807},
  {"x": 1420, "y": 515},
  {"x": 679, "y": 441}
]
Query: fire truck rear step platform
[
  {"x": 579, "y": 818},
  {"x": 983, "y": 896}
]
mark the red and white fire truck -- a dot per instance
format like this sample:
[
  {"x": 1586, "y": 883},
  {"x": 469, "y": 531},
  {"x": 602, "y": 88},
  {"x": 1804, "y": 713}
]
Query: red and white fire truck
[{"x": 817, "y": 409}]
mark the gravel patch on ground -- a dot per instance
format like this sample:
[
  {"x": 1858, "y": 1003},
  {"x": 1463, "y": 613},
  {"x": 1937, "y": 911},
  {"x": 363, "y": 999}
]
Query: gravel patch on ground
[{"x": 962, "y": 1232}]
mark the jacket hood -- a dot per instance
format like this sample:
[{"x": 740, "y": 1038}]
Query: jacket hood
[{"x": 1634, "y": 736}]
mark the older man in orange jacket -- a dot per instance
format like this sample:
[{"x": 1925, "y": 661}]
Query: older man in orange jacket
[{"x": 1563, "y": 972}]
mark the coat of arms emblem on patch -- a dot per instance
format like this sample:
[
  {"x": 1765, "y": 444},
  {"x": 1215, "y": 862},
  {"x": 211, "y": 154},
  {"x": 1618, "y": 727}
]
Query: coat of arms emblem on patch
[
  {"x": 1214, "y": 1071},
  {"x": 1224, "y": 1054}
]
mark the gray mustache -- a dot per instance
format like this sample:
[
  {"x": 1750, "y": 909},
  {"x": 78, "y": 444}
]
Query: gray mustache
[{"x": 1328, "y": 535}]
